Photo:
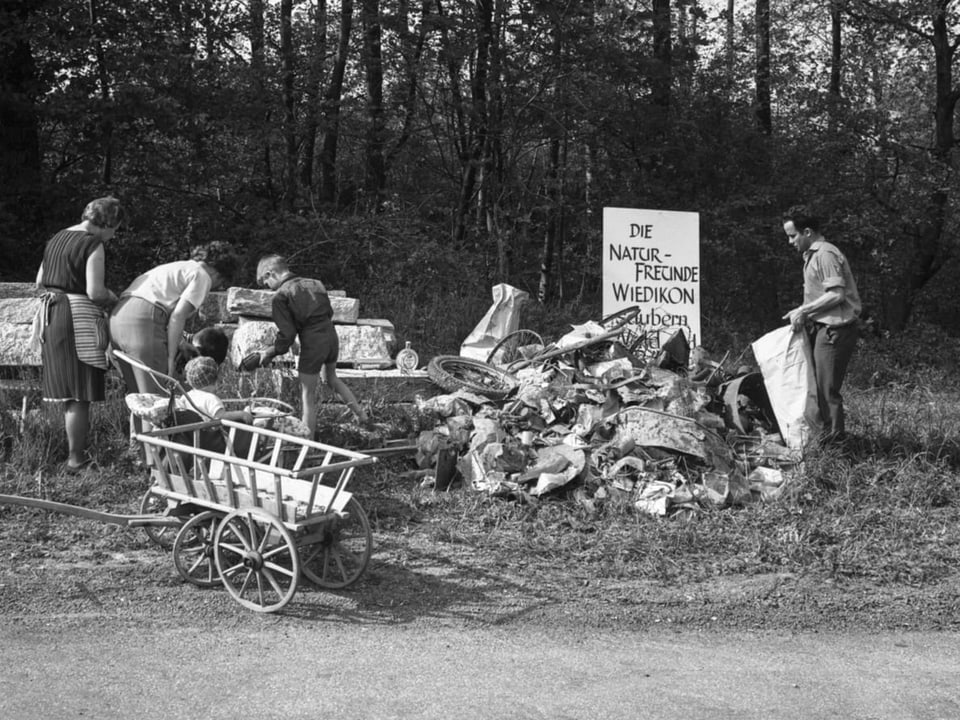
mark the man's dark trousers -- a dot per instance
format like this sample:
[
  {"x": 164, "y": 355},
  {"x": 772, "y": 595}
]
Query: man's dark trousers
[{"x": 833, "y": 347}]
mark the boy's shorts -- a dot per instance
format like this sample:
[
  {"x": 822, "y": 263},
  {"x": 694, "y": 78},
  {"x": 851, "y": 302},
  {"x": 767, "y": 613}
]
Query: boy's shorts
[{"x": 318, "y": 346}]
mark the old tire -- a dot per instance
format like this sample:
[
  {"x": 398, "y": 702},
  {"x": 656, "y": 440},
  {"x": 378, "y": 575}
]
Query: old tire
[{"x": 452, "y": 373}]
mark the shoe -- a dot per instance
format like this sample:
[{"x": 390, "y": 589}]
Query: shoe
[{"x": 77, "y": 469}]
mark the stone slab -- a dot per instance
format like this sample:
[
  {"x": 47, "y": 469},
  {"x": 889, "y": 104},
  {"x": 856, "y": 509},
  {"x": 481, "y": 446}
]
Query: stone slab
[
  {"x": 18, "y": 310},
  {"x": 14, "y": 345},
  {"x": 251, "y": 303},
  {"x": 18, "y": 290},
  {"x": 386, "y": 327},
  {"x": 214, "y": 310},
  {"x": 365, "y": 342},
  {"x": 389, "y": 385}
]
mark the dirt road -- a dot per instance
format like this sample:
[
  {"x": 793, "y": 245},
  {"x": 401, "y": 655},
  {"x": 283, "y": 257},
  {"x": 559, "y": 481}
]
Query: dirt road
[
  {"x": 253, "y": 666},
  {"x": 105, "y": 628}
]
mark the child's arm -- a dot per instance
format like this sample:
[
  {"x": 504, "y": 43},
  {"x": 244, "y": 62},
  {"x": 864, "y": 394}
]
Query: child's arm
[
  {"x": 244, "y": 416},
  {"x": 286, "y": 329}
]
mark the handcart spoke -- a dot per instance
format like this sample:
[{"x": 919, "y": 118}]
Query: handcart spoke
[
  {"x": 193, "y": 550},
  {"x": 274, "y": 583},
  {"x": 340, "y": 555},
  {"x": 257, "y": 559}
]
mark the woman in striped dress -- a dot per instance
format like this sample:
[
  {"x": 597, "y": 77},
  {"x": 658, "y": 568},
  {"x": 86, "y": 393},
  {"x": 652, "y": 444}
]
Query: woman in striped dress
[{"x": 73, "y": 322}]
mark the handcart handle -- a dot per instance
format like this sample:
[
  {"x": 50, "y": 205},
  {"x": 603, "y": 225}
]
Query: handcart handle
[{"x": 76, "y": 510}]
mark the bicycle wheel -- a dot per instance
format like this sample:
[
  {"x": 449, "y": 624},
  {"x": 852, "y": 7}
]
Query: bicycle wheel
[
  {"x": 513, "y": 346},
  {"x": 632, "y": 336},
  {"x": 452, "y": 373}
]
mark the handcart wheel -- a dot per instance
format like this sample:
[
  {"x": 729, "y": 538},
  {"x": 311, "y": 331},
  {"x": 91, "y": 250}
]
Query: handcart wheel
[
  {"x": 257, "y": 560},
  {"x": 193, "y": 550},
  {"x": 153, "y": 504},
  {"x": 340, "y": 556}
]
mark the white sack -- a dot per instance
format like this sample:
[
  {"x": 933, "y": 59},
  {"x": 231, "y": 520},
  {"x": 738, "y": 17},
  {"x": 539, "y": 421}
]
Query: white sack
[
  {"x": 787, "y": 368},
  {"x": 501, "y": 319}
]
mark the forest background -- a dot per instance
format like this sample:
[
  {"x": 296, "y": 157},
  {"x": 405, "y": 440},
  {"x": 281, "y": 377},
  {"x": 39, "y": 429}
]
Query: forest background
[{"x": 416, "y": 153}]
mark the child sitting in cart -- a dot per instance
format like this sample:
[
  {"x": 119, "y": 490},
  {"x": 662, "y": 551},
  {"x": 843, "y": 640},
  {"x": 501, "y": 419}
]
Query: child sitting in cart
[{"x": 201, "y": 374}]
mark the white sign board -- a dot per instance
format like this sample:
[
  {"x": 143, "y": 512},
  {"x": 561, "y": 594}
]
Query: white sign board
[{"x": 651, "y": 258}]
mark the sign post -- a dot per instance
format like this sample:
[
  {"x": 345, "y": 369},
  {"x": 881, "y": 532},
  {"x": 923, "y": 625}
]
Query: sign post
[{"x": 651, "y": 258}]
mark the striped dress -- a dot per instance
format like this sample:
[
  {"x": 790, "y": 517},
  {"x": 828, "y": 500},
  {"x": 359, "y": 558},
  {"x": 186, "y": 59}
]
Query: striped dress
[{"x": 65, "y": 376}]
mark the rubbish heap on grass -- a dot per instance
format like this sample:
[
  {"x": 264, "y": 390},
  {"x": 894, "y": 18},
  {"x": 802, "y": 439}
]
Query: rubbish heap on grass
[{"x": 587, "y": 415}]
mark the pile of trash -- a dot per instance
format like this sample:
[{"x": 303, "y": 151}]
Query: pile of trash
[{"x": 587, "y": 416}]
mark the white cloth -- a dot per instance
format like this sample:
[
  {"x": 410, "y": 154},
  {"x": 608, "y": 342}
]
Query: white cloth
[
  {"x": 165, "y": 284},
  {"x": 207, "y": 402}
]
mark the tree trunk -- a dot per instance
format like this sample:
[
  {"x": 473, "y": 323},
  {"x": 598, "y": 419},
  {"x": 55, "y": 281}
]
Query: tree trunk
[
  {"x": 330, "y": 115},
  {"x": 311, "y": 119},
  {"x": 103, "y": 80},
  {"x": 262, "y": 172},
  {"x": 289, "y": 110},
  {"x": 662, "y": 76},
  {"x": 836, "y": 49},
  {"x": 553, "y": 234},
  {"x": 492, "y": 162},
  {"x": 412, "y": 50},
  {"x": 476, "y": 135},
  {"x": 731, "y": 37},
  {"x": 374, "y": 173},
  {"x": 947, "y": 96},
  {"x": 554, "y": 174},
  {"x": 762, "y": 107}
]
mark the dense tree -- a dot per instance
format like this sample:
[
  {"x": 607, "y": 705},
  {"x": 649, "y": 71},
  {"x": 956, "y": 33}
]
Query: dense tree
[{"x": 489, "y": 134}]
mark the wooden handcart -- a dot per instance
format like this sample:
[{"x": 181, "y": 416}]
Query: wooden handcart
[{"x": 256, "y": 512}]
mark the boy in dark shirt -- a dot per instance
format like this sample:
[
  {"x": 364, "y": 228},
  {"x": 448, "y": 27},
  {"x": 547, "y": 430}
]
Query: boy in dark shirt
[{"x": 301, "y": 309}]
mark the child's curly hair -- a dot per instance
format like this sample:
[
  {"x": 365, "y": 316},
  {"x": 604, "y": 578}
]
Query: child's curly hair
[{"x": 219, "y": 255}]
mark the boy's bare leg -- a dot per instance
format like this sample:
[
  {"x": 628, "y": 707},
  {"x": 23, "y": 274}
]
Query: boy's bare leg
[
  {"x": 308, "y": 400},
  {"x": 341, "y": 389}
]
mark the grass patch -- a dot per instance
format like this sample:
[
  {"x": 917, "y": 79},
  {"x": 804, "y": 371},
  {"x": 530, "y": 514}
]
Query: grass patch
[{"x": 885, "y": 508}]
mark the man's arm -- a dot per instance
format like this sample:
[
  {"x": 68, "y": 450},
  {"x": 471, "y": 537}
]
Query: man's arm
[{"x": 830, "y": 298}]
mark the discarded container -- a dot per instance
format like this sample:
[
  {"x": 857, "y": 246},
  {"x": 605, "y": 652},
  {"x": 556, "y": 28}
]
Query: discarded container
[{"x": 407, "y": 359}]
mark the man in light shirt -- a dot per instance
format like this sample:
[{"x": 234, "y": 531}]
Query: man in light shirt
[{"x": 829, "y": 313}]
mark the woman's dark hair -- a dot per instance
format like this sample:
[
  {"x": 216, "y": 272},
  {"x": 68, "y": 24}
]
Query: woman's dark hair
[
  {"x": 219, "y": 255},
  {"x": 104, "y": 212}
]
